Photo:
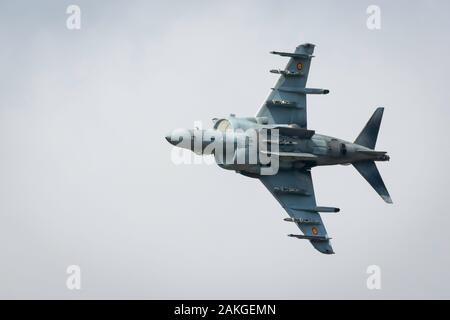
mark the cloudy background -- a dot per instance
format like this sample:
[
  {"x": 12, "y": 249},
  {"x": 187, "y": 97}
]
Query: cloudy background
[{"x": 86, "y": 176}]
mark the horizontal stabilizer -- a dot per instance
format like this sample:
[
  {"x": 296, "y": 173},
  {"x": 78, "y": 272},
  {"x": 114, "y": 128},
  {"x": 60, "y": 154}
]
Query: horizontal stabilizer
[
  {"x": 370, "y": 172},
  {"x": 368, "y": 136}
]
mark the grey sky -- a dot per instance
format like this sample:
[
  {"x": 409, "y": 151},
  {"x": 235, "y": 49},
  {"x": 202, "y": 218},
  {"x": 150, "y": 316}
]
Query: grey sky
[{"x": 86, "y": 176}]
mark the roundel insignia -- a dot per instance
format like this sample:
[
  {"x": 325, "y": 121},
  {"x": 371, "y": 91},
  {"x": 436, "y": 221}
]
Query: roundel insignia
[
  {"x": 314, "y": 231},
  {"x": 299, "y": 66}
]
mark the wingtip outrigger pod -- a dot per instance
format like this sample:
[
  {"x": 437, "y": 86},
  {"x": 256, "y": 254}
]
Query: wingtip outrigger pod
[{"x": 321, "y": 243}]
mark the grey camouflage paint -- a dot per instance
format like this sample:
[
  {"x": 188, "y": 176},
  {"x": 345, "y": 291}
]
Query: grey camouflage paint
[{"x": 301, "y": 149}]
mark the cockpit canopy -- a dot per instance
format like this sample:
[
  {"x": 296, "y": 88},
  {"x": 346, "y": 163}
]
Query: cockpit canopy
[
  {"x": 235, "y": 123},
  {"x": 223, "y": 125}
]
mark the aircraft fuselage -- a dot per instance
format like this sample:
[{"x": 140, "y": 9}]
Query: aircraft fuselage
[{"x": 292, "y": 149}]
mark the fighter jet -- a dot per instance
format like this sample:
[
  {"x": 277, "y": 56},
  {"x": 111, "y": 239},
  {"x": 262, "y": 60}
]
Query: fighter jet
[{"x": 296, "y": 148}]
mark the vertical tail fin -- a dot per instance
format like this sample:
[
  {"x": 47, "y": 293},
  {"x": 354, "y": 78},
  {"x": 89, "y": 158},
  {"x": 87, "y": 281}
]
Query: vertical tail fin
[
  {"x": 368, "y": 136},
  {"x": 369, "y": 171}
]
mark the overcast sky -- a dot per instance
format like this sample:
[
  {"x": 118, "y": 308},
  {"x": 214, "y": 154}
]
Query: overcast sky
[{"x": 86, "y": 176}]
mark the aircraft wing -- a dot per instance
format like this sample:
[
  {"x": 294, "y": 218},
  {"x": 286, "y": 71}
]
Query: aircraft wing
[
  {"x": 287, "y": 101},
  {"x": 295, "y": 192}
]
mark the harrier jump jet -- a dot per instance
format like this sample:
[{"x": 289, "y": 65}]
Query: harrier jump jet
[{"x": 298, "y": 149}]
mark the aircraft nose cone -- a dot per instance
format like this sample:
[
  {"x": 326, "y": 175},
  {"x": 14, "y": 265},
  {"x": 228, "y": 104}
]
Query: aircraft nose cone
[
  {"x": 168, "y": 137},
  {"x": 178, "y": 136}
]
